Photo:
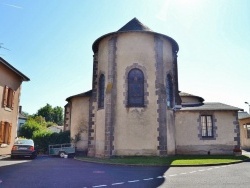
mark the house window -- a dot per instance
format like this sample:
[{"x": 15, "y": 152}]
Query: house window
[
  {"x": 5, "y": 132},
  {"x": 20, "y": 125},
  {"x": 8, "y": 99},
  {"x": 248, "y": 131},
  {"x": 101, "y": 91},
  {"x": 206, "y": 126},
  {"x": 169, "y": 91},
  {"x": 135, "y": 88}
]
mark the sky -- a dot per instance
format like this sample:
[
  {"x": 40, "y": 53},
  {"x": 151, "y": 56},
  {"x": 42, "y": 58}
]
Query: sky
[{"x": 51, "y": 43}]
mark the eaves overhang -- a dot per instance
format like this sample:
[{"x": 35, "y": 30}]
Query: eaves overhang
[
  {"x": 172, "y": 41},
  {"x": 24, "y": 78}
]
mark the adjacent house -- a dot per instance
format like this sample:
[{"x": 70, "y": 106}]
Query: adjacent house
[
  {"x": 135, "y": 108},
  {"x": 55, "y": 128},
  {"x": 76, "y": 119},
  {"x": 21, "y": 119},
  {"x": 206, "y": 128},
  {"x": 10, "y": 90},
  {"x": 244, "y": 121}
]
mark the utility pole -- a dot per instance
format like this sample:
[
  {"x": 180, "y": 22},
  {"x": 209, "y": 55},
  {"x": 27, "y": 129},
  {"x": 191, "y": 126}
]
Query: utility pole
[{"x": 248, "y": 107}]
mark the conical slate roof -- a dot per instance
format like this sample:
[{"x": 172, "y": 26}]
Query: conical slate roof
[
  {"x": 183, "y": 94},
  {"x": 134, "y": 25}
]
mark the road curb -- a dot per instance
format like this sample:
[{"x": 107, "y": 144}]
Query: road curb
[
  {"x": 4, "y": 156},
  {"x": 218, "y": 164}
]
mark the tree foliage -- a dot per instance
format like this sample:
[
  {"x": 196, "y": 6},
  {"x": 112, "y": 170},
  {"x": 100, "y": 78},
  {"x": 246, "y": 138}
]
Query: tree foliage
[
  {"x": 58, "y": 115},
  {"x": 46, "y": 112},
  {"x": 40, "y": 120},
  {"x": 51, "y": 114},
  {"x": 26, "y": 114},
  {"x": 30, "y": 126}
]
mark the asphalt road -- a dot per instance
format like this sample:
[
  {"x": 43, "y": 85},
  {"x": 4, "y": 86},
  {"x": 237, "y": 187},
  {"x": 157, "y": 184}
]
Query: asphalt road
[
  {"x": 49, "y": 172},
  {"x": 229, "y": 176}
]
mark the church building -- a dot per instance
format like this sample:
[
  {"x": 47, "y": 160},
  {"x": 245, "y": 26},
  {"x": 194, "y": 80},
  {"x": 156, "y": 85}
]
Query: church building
[{"x": 135, "y": 107}]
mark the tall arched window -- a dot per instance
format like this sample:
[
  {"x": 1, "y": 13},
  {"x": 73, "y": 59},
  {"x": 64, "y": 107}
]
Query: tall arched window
[
  {"x": 135, "y": 88},
  {"x": 101, "y": 91},
  {"x": 169, "y": 91}
]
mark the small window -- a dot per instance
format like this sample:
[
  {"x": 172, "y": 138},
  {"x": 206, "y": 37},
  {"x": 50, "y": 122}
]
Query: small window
[
  {"x": 169, "y": 91},
  {"x": 248, "y": 131},
  {"x": 8, "y": 99},
  {"x": 5, "y": 132},
  {"x": 101, "y": 91},
  {"x": 20, "y": 125},
  {"x": 135, "y": 88},
  {"x": 206, "y": 126}
]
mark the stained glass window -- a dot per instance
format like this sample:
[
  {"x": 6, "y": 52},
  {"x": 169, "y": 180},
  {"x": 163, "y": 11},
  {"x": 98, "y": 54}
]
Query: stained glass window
[
  {"x": 169, "y": 91},
  {"x": 101, "y": 91},
  {"x": 135, "y": 88}
]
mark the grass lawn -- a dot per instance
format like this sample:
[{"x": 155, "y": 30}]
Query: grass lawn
[{"x": 169, "y": 161}]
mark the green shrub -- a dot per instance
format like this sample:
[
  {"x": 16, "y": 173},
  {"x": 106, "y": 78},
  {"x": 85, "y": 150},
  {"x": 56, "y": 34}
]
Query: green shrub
[
  {"x": 30, "y": 126},
  {"x": 43, "y": 139}
]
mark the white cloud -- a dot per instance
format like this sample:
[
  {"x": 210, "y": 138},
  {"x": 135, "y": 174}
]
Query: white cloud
[{"x": 13, "y": 6}]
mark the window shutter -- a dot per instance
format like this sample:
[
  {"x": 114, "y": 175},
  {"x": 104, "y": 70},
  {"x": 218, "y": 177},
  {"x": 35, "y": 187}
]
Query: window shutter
[
  {"x": 9, "y": 133},
  {"x": 1, "y": 131},
  {"x": 12, "y": 100},
  {"x": 5, "y": 96}
]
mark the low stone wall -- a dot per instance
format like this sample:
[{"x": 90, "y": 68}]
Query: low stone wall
[
  {"x": 135, "y": 152},
  {"x": 205, "y": 150}
]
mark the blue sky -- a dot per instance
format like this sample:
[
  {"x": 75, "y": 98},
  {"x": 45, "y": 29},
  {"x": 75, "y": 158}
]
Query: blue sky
[{"x": 51, "y": 43}]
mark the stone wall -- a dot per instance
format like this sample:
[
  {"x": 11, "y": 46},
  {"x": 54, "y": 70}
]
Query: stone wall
[
  {"x": 123, "y": 130},
  {"x": 79, "y": 122}
]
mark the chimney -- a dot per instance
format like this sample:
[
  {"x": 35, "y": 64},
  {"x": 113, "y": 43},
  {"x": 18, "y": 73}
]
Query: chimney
[{"x": 20, "y": 109}]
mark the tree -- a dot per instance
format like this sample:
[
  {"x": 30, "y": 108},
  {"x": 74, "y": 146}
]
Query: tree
[
  {"x": 58, "y": 115},
  {"x": 51, "y": 114},
  {"x": 41, "y": 120},
  {"x": 46, "y": 112},
  {"x": 26, "y": 114}
]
